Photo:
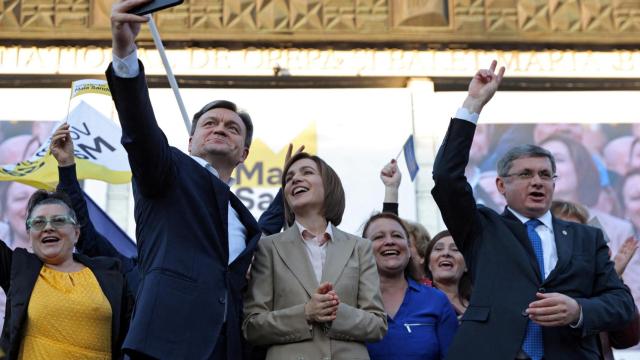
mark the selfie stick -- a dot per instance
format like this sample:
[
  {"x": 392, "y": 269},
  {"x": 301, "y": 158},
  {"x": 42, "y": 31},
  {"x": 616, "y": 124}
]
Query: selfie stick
[{"x": 170, "y": 76}]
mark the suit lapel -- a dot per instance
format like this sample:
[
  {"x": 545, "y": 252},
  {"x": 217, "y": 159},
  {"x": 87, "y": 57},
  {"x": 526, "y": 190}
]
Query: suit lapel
[
  {"x": 220, "y": 218},
  {"x": 519, "y": 231},
  {"x": 293, "y": 253},
  {"x": 249, "y": 222},
  {"x": 222, "y": 201},
  {"x": 338, "y": 253},
  {"x": 563, "y": 237}
]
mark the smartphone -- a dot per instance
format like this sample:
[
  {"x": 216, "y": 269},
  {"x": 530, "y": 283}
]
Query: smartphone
[{"x": 154, "y": 5}]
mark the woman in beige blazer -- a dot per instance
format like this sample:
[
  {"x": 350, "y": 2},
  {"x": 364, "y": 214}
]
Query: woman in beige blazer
[{"x": 314, "y": 291}]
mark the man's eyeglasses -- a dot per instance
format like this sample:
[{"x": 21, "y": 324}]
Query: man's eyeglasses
[
  {"x": 528, "y": 175},
  {"x": 57, "y": 222}
]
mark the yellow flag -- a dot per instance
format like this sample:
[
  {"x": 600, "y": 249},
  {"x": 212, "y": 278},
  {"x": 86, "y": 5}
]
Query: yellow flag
[{"x": 97, "y": 149}]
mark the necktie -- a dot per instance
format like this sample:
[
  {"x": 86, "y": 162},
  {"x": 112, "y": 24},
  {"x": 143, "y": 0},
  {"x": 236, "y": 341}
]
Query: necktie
[{"x": 533, "y": 343}]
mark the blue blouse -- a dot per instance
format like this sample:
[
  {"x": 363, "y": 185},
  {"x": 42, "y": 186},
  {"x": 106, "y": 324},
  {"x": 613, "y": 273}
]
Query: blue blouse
[{"x": 422, "y": 329}]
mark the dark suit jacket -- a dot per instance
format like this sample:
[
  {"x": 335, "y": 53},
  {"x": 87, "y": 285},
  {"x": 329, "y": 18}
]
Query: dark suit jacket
[
  {"x": 188, "y": 288},
  {"x": 19, "y": 272},
  {"x": 506, "y": 276}
]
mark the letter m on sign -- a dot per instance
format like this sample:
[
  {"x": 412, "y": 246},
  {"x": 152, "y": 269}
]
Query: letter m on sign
[{"x": 97, "y": 142}]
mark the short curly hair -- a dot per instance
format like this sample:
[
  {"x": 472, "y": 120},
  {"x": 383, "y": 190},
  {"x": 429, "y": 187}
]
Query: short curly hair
[{"x": 43, "y": 197}]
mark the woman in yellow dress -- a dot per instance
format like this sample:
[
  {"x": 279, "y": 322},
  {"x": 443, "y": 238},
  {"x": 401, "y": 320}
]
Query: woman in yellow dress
[{"x": 60, "y": 305}]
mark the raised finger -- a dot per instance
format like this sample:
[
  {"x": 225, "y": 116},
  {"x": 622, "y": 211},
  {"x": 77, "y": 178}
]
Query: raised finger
[
  {"x": 289, "y": 150},
  {"x": 500, "y": 74},
  {"x": 492, "y": 68}
]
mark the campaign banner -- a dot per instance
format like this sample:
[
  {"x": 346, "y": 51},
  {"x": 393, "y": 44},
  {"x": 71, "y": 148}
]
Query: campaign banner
[
  {"x": 99, "y": 154},
  {"x": 597, "y": 166}
]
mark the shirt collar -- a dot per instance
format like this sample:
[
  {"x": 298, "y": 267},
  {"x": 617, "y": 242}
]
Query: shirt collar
[
  {"x": 328, "y": 230},
  {"x": 211, "y": 169},
  {"x": 413, "y": 285},
  {"x": 545, "y": 219}
]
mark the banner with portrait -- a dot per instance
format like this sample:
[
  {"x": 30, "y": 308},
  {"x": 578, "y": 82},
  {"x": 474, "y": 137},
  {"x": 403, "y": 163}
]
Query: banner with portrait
[{"x": 597, "y": 166}]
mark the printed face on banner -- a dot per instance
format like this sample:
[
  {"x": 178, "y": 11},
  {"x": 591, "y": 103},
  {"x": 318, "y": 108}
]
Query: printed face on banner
[
  {"x": 19, "y": 141},
  {"x": 97, "y": 150},
  {"x": 594, "y": 165}
]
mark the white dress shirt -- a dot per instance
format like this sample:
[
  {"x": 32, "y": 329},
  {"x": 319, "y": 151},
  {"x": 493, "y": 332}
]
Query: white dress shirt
[
  {"x": 127, "y": 67},
  {"x": 316, "y": 246}
]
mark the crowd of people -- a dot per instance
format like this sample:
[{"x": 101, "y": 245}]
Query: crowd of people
[
  {"x": 534, "y": 281},
  {"x": 597, "y": 167}
]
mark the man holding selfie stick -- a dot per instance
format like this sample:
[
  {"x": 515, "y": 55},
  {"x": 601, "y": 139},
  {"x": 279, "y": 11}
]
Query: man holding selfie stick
[{"x": 195, "y": 238}]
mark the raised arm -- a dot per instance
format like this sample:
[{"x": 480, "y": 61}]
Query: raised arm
[
  {"x": 452, "y": 192},
  {"x": 391, "y": 178},
  {"x": 148, "y": 149},
  {"x": 90, "y": 242}
]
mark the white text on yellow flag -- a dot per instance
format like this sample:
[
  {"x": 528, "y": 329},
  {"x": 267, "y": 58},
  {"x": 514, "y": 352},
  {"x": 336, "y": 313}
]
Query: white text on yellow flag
[
  {"x": 87, "y": 86},
  {"x": 98, "y": 152}
]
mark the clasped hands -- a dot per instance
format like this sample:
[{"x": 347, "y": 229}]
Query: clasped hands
[
  {"x": 554, "y": 309},
  {"x": 323, "y": 305}
]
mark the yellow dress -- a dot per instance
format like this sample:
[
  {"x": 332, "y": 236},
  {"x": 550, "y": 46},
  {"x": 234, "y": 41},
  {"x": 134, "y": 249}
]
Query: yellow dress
[{"x": 68, "y": 318}]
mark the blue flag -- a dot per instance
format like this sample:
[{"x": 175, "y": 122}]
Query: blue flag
[
  {"x": 110, "y": 230},
  {"x": 410, "y": 158}
]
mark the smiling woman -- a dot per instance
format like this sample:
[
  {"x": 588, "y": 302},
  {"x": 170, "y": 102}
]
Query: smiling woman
[
  {"x": 314, "y": 289},
  {"x": 421, "y": 320},
  {"x": 60, "y": 305},
  {"x": 448, "y": 271}
]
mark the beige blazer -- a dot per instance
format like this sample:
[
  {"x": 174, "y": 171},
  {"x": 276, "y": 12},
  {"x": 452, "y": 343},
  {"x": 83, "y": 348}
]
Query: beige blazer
[{"x": 282, "y": 280}]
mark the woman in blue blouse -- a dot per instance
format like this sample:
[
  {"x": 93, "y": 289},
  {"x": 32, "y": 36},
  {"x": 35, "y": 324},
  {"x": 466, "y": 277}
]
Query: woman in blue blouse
[{"x": 421, "y": 320}]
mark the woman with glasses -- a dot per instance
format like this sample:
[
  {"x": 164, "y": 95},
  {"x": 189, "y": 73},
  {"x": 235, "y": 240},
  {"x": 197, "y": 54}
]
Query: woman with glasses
[{"x": 60, "y": 305}]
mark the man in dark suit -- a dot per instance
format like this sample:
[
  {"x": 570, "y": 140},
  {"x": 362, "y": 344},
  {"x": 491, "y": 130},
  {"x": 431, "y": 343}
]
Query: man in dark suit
[
  {"x": 543, "y": 288},
  {"x": 195, "y": 238}
]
